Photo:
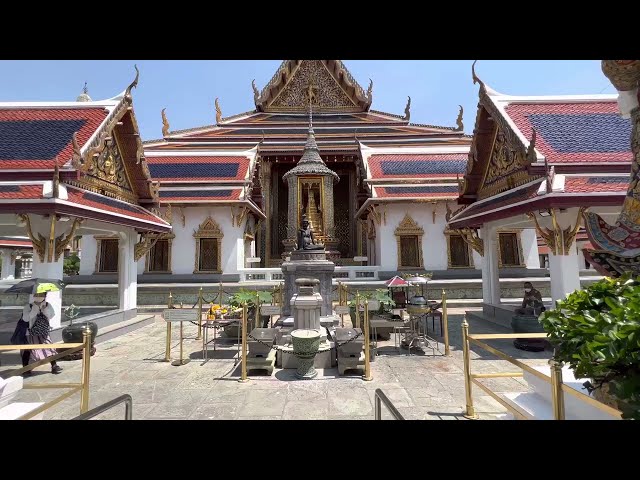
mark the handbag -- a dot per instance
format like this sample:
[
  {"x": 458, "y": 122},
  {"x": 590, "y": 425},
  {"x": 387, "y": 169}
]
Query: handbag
[
  {"x": 40, "y": 326},
  {"x": 19, "y": 336}
]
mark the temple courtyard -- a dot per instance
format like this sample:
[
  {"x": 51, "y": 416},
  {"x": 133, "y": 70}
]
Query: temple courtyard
[{"x": 428, "y": 386}]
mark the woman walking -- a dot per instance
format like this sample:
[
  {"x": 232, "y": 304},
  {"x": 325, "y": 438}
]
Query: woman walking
[{"x": 37, "y": 315}]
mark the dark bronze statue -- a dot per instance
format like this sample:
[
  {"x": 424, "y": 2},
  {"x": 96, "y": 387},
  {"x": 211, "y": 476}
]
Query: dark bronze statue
[
  {"x": 305, "y": 237},
  {"x": 532, "y": 301}
]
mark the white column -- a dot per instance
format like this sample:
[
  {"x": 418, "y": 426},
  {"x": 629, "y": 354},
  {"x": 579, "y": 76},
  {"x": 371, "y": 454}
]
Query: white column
[
  {"x": 127, "y": 271},
  {"x": 490, "y": 273},
  {"x": 8, "y": 268},
  {"x": 564, "y": 271},
  {"x": 52, "y": 271}
]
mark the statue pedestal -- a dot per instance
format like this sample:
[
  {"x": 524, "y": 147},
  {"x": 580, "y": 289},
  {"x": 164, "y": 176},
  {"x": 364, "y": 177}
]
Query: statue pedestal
[
  {"x": 308, "y": 264},
  {"x": 522, "y": 323}
]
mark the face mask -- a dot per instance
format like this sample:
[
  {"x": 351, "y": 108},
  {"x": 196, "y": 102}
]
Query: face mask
[{"x": 527, "y": 290}]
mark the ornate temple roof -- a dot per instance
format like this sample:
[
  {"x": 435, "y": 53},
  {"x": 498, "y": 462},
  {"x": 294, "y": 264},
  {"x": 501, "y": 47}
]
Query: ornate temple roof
[
  {"x": 578, "y": 144},
  {"x": 327, "y": 83},
  {"x": 343, "y": 125},
  {"x": 82, "y": 158}
]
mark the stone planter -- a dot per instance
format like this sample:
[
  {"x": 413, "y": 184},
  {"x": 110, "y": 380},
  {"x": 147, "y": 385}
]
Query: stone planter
[
  {"x": 74, "y": 333},
  {"x": 305, "y": 347},
  {"x": 528, "y": 324}
]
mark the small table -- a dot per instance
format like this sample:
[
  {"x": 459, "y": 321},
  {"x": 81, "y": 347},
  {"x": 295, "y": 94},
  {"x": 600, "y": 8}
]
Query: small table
[{"x": 217, "y": 324}]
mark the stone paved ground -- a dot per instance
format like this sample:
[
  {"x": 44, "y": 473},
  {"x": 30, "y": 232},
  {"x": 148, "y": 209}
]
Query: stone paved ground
[{"x": 420, "y": 386}]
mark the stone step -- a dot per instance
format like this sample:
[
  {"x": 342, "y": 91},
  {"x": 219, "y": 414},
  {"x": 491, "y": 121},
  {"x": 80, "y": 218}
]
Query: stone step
[
  {"x": 529, "y": 404},
  {"x": 115, "y": 330},
  {"x": 575, "y": 407},
  {"x": 14, "y": 411}
]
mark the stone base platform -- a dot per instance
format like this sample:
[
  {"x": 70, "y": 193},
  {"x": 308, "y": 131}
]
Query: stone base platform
[
  {"x": 351, "y": 363},
  {"x": 262, "y": 363}
]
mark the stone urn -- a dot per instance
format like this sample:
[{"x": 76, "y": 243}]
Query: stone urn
[
  {"x": 73, "y": 333},
  {"x": 306, "y": 343},
  {"x": 528, "y": 324}
]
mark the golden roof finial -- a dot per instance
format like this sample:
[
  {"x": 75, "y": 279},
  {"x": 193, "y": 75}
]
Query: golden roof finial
[
  {"x": 165, "y": 124},
  {"x": 474, "y": 76},
  {"x": 134, "y": 84},
  {"x": 256, "y": 93},
  {"x": 76, "y": 158},
  {"x": 459, "y": 120},
  {"x": 218, "y": 112},
  {"x": 56, "y": 179},
  {"x": 370, "y": 91},
  {"x": 407, "y": 110},
  {"x": 531, "y": 150}
]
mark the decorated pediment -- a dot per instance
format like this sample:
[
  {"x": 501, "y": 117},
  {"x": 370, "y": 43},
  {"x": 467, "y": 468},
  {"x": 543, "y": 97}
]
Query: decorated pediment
[
  {"x": 107, "y": 174},
  {"x": 408, "y": 226},
  {"x": 507, "y": 166},
  {"x": 326, "y": 84},
  {"x": 208, "y": 229}
]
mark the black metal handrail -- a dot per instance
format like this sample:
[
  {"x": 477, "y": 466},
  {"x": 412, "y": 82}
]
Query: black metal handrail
[
  {"x": 381, "y": 398},
  {"x": 126, "y": 399}
]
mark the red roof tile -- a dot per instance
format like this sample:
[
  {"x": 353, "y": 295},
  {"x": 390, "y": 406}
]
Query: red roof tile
[
  {"x": 191, "y": 168},
  {"x": 435, "y": 165},
  {"x": 575, "y": 132},
  {"x": 16, "y": 243},
  {"x": 33, "y": 137},
  {"x": 107, "y": 204},
  {"x": 418, "y": 191},
  {"x": 20, "y": 192},
  {"x": 169, "y": 196},
  {"x": 596, "y": 184}
]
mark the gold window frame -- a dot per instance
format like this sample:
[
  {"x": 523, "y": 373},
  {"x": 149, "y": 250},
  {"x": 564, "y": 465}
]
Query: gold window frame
[
  {"x": 99, "y": 239},
  {"x": 518, "y": 235},
  {"x": 147, "y": 257},
  {"x": 450, "y": 265},
  {"x": 208, "y": 229},
  {"x": 409, "y": 228}
]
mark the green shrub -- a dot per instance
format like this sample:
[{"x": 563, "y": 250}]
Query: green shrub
[
  {"x": 71, "y": 265},
  {"x": 597, "y": 332}
]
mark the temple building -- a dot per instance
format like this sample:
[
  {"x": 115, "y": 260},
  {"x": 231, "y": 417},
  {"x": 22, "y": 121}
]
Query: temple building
[
  {"x": 380, "y": 210},
  {"x": 76, "y": 169},
  {"x": 540, "y": 162}
]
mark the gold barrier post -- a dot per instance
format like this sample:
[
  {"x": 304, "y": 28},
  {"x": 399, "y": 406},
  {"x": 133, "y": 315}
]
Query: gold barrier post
[
  {"x": 445, "y": 324},
  {"x": 167, "y": 351},
  {"x": 357, "y": 325},
  {"x": 86, "y": 370},
  {"x": 367, "y": 361},
  {"x": 199, "y": 314},
  {"x": 243, "y": 377},
  {"x": 557, "y": 395},
  {"x": 471, "y": 412},
  {"x": 257, "y": 320},
  {"x": 182, "y": 360},
  {"x": 220, "y": 302}
]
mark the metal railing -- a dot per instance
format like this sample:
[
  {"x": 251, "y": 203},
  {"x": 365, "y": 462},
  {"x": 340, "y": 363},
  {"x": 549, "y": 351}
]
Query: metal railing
[
  {"x": 69, "y": 348},
  {"x": 558, "y": 388},
  {"x": 381, "y": 398},
  {"x": 94, "y": 412}
]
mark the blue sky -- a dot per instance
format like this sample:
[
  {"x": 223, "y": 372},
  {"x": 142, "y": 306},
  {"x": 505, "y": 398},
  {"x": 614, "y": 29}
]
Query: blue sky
[{"x": 188, "y": 88}]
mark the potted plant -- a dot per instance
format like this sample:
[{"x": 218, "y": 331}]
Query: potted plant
[
  {"x": 363, "y": 296},
  {"x": 382, "y": 296},
  {"x": 253, "y": 299},
  {"x": 597, "y": 332}
]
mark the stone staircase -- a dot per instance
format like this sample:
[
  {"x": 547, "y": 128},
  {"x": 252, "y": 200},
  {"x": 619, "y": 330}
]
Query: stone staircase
[
  {"x": 9, "y": 388},
  {"x": 537, "y": 404}
]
